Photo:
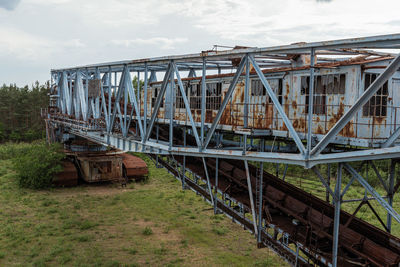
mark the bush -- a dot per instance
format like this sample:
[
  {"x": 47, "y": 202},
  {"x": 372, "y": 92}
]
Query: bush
[
  {"x": 12, "y": 150},
  {"x": 147, "y": 231},
  {"x": 37, "y": 165}
]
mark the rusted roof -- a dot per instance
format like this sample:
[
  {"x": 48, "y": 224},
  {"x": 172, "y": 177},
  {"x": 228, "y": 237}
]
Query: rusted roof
[{"x": 359, "y": 60}]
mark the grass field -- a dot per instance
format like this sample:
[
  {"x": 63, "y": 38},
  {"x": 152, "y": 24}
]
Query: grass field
[{"x": 153, "y": 223}]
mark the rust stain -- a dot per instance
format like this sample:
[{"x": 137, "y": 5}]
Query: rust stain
[
  {"x": 348, "y": 130},
  {"x": 320, "y": 130},
  {"x": 294, "y": 104},
  {"x": 209, "y": 118},
  {"x": 286, "y": 106}
]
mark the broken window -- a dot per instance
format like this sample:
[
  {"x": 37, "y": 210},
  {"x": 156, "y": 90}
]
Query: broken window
[
  {"x": 179, "y": 98},
  {"x": 154, "y": 98},
  {"x": 213, "y": 95},
  {"x": 377, "y": 105},
  {"x": 195, "y": 96},
  {"x": 331, "y": 84},
  {"x": 257, "y": 88},
  {"x": 319, "y": 105}
]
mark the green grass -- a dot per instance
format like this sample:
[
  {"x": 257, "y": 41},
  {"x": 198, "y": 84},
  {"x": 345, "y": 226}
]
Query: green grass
[{"x": 104, "y": 226}]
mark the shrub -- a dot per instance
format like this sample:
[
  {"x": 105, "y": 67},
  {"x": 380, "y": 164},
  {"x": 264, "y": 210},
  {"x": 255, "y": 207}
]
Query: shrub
[
  {"x": 12, "y": 150},
  {"x": 220, "y": 230},
  {"x": 38, "y": 164},
  {"x": 147, "y": 231}
]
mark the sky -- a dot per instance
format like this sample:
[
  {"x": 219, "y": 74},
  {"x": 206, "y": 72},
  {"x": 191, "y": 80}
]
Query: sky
[{"x": 39, "y": 35}]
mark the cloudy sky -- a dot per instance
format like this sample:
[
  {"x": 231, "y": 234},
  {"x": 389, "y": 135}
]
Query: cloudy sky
[{"x": 37, "y": 35}]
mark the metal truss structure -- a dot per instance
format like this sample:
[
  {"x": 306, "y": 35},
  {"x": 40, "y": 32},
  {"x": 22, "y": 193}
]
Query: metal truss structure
[{"x": 115, "y": 115}]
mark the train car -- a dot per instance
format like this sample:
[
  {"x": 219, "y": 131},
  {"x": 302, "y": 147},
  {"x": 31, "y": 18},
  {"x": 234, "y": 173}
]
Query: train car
[{"x": 337, "y": 85}]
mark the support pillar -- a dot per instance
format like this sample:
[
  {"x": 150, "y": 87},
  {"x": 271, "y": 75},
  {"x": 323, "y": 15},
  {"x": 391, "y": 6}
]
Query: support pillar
[
  {"x": 337, "y": 202},
  {"x": 390, "y": 193},
  {"x": 260, "y": 204},
  {"x": 250, "y": 189},
  {"x": 216, "y": 186},
  {"x": 184, "y": 162},
  {"x": 328, "y": 177}
]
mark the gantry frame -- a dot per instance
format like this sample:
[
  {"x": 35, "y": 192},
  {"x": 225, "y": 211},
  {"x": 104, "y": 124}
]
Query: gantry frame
[{"x": 117, "y": 82}]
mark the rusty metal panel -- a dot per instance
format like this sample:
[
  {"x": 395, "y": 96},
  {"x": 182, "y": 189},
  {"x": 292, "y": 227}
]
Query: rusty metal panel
[
  {"x": 333, "y": 102},
  {"x": 94, "y": 88}
]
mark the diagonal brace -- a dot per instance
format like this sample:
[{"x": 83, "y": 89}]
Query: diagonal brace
[
  {"x": 278, "y": 106},
  {"x": 372, "y": 191},
  {"x": 228, "y": 95},
  {"x": 187, "y": 106},
  {"x": 158, "y": 102},
  {"x": 317, "y": 172},
  {"x": 390, "y": 141},
  {"x": 133, "y": 99},
  {"x": 372, "y": 89}
]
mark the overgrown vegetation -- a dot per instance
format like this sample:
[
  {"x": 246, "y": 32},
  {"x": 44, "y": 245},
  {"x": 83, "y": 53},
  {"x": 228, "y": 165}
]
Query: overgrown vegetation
[
  {"x": 35, "y": 164},
  {"x": 20, "y": 112},
  {"x": 103, "y": 226}
]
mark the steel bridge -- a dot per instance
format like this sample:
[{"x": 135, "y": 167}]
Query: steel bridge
[{"x": 101, "y": 104}]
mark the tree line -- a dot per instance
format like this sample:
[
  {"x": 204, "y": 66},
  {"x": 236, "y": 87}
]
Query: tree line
[{"x": 20, "y": 112}]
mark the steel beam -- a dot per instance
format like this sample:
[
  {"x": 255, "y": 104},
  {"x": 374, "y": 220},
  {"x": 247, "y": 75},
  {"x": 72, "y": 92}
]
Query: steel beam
[
  {"x": 158, "y": 102},
  {"x": 278, "y": 106},
  {"x": 310, "y": 103},
  {"x": 387, "y": 41},
  {"x": 184, "y": 162},
  {"x": 187, "y": 105},
  {"x": 117, "y": 99},
  {"x": 192, "y": 73},
  {"x": 336, "y": 222},
  {"x": 132, "y": 98},
  {"x": 379, "y": 176},
  {"x": 171, "y": 109},
  {"x": 368, "y": 93},
  {"x": 260, "y": 203},
  {"x": 145, "y": 100},
  {"x": 392, "y": 139},
  {"x": 372, "y": 191},
  {"x": 216, "y": 185},
  {"x": 322, "y": 179},
  {"x": 246, "y": 95},
  {"x": 203, "y": 99},
  {"x": 228, "y": 95},
  {"x": 390, "y": 193},
  {"x": 253, "y": 209},
  {"x": 208, "y": 181}
]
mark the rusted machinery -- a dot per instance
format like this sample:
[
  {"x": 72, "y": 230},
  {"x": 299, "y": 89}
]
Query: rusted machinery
[
  {"x": 99, "y": 166},
  {"x": 307, "y": 104}
]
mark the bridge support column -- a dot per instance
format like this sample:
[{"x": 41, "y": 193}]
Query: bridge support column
[
  {"x": 260, "y": 204},
  {"x": 337, "y": 202},
  {"x": 249, "y": 187},
  {"x": 390, "y": 193},
  {"x": 184, "y": 162},
  {"x": 216, "y": 187}
]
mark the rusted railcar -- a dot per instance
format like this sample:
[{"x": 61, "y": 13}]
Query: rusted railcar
[{"x": 337, "y": 86}]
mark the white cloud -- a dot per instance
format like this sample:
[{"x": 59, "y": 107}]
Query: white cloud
[
  {"x": 22, "y": 45},
  {"x": 74, "y": 43},
  {"x": 55, "y": 33},
  {"x": 28, "y": 47},
  {"x": 162, "y": 42}
]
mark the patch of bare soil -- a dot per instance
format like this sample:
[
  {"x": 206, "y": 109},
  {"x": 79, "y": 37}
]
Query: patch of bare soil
[{"x": 93, "y": 190}]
